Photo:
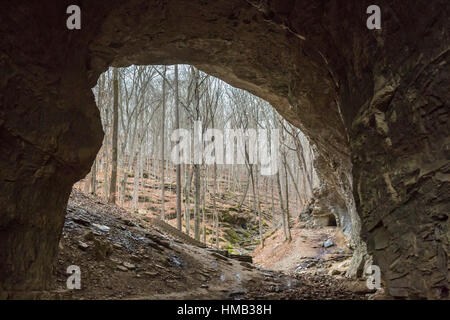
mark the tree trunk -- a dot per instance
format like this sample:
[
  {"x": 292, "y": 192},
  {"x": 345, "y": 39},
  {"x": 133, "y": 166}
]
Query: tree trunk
[
  {"x": 256, "y": 206},
  {"x": 178, "y": 167},
  {"x": 112, "y": 186},
  {"x": 187, "y": 209},
  {"x": 87, "y": 182},
  {"x": 288, "y": 227},
  {"x": 197, "y": 202},
  {"x": 216, "y": 214},
  {"x": 162, "y": 143},
  {"x": 136, "y": 181},
  {"x": 94, "y": 178},
  {"x": 205, "y": 186},
  {"x": 280, "y": 195},
  {"x": 105, "y": 168},
  {"x": 246, "y": 190}
]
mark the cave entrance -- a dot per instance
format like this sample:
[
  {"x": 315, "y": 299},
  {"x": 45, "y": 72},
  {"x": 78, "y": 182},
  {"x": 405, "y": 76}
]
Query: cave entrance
[
  {"x": 145, "y": 175},
  {"x": 232, "y": 40},
  {"x": 372, "y": 102},
  {"x": 331, "y": 221}
]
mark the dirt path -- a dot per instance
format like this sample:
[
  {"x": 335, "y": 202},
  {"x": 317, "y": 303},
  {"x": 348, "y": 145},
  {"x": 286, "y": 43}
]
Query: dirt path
[{"x": 306, "y": 252}]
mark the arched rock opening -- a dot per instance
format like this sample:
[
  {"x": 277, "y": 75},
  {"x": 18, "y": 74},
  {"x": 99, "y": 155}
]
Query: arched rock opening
[
  {"x": 374, "y": 103},
  {"x": 331, "y": 221}
]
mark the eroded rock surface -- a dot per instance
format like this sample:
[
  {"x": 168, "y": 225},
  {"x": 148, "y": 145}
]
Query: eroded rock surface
[{"x": 374, "y": 103}]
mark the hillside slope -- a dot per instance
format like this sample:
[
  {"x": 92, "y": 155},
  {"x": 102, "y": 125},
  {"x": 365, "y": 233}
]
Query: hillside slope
[{"x": 122, "y": 256}]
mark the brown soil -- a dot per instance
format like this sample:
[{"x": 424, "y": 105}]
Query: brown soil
[
  {"x": 227, "y": 202},
  {"x": 134, "y": 260},
  {"x": 306, "y": 245}
]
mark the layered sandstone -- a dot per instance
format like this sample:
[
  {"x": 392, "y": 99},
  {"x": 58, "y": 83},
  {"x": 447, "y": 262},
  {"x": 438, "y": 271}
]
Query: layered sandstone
[{"x": 374, "y": 103}]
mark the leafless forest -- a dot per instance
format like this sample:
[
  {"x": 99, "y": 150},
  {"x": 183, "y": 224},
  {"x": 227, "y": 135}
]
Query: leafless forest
[{"x": 140, "y": 106}]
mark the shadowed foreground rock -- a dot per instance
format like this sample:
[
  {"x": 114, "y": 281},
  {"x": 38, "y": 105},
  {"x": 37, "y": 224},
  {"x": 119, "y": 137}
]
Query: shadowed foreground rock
[{"x": 374, "y": 103}]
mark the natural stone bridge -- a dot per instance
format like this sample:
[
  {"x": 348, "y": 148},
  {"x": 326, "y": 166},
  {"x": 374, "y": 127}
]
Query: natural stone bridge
[{"x": 374, "y": 103}]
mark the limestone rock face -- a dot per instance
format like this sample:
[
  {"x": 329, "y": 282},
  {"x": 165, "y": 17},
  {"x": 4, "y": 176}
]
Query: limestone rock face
[{"x": 374, "y": 104}]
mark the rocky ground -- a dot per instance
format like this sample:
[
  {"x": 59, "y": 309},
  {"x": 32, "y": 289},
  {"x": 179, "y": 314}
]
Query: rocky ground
[
  {"x": 122, "y": 256},
  {"x": 315, "y": 250},
  {"x": 239, "y": 226}
]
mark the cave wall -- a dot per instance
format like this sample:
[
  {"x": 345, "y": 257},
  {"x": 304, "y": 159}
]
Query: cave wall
[
  {"x": 393, "y": 94},
  {"x": 373, "y": 103},
  {"x": 50, "y": 132}
]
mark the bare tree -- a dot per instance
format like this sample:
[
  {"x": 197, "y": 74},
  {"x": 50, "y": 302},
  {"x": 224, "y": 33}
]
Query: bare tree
[
  {"x": 135, "y": 149},
  {"x": 162, "y": 142},
  {"x": 178, "y": 166},
  {"x": 112, "y": 189}
]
